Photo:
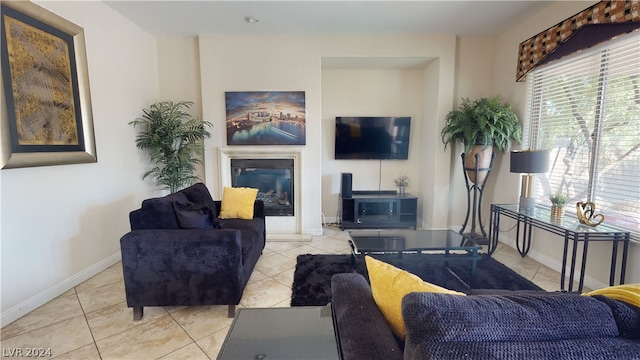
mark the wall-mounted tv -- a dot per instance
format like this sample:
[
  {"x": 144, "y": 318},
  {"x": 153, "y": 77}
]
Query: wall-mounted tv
[{"x": 372, "y": 138}]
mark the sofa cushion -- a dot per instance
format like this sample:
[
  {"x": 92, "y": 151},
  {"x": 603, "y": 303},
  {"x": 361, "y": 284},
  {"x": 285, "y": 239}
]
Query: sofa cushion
[
  {"x": 194, "y": 216},
  {"x": 512, "y": 292},
  {"x": 157, "y": 213},
  {"x": 627, "y": 316},
  {"x": 576, "y": 349},
  {"x": 256, "y": 225},
  {"x": 390, "y": 284},
  {"x": 199, "y": 194},
  {"x": 238, "y": 203},
  {"x": 440, "y": 318},
  {"x": 511, "y": 327}
]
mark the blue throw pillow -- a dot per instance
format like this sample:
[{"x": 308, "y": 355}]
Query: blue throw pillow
[{"x": 193, "y": 216}]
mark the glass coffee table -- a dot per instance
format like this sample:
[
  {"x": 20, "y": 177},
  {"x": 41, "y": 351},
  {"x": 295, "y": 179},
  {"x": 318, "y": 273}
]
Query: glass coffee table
[
  {"x": 442, "y": 245},
  {"x": 304, "y": 332}
]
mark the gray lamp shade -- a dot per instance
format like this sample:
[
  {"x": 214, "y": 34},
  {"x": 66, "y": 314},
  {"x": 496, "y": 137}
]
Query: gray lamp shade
[{"x": 530, "y": 162}]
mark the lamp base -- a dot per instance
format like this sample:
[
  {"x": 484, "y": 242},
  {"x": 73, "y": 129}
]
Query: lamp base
[{"x": 527, "y": 203}]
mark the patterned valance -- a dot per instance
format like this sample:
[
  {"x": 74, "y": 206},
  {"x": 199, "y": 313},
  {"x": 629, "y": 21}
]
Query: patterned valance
[{"x": 532, "y": 52}]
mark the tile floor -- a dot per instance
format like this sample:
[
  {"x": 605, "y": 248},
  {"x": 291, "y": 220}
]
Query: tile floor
[{"x": 92, "y": 321}]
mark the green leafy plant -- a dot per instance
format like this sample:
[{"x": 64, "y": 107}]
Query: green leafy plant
[
  {"x": 484, "y": 121},
  {"x": 559, "y": 199},
  {"x": 172, "y": 138},
  {"x": 402, "y": 180}
]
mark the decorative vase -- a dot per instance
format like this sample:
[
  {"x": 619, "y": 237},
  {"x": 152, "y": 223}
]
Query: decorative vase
[
  {"x": 484, "y": 163},
  {"x": 557, "y": 213},
  {"x": 401, "y": 190}
]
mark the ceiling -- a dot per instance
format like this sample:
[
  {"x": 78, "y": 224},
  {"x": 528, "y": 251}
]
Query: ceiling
[{"x": 191, "y": 18}]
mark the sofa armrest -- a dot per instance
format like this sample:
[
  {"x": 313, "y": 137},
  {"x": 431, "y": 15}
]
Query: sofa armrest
[
  {"x": 361, "y": 330},
  {"x": 182, "y": 267}
]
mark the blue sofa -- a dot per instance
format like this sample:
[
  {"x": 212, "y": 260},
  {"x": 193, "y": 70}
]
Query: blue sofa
[
  {"x": 179, "y": 252},
  {"x": 517, "y": 325}
]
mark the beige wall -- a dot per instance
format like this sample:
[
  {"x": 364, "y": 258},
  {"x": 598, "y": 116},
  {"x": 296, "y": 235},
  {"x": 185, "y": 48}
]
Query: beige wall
[
  {"x": 179, "y": 77},
  {"x": 271, "y": 62},
  {"x": 369, "y": 92},
  {"x": 62, "y": 224},
  {"x": 474, "y": 79}
]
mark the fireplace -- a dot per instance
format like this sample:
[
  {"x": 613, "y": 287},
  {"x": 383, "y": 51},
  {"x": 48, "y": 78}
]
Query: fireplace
[
  {"x": 272, "y": 177},
  {"x": 286, "y": 224}
]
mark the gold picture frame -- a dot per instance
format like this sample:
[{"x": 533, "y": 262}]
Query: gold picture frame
[{"x": 46, "y": 104}]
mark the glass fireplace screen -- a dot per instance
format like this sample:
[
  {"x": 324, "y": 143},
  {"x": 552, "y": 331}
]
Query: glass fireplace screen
[{"x": 272, "y": 177}]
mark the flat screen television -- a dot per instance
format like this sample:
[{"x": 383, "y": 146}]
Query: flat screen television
[{"x": 372, "y": 138}]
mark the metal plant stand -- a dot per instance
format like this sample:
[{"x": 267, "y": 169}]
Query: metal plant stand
[{"x": 475, "y": 210}]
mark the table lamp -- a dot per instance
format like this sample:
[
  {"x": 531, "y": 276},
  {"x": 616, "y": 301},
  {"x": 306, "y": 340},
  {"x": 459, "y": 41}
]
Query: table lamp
[{"x": 527, "y": 163}]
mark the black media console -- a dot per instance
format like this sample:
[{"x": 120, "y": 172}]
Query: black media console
[{"x": 378, "y": 209}]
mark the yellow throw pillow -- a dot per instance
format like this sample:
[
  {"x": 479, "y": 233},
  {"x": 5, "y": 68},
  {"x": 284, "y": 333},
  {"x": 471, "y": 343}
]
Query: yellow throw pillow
[
  {"x": 629, "y": 293},
  {"x": 237, "y": 203},
  {"x": 390, "y": 284}
]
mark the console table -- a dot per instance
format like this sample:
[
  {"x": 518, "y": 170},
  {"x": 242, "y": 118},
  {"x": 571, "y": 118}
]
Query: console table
[
  {"x": 378, "y": 209},
  {"x": 568, "y": 227}
]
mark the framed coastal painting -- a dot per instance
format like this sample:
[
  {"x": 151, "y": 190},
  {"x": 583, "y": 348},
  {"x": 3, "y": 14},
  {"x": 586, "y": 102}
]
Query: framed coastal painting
[
  {"x": 46, "y": 112},
  {"x": 265, "y": 117}
]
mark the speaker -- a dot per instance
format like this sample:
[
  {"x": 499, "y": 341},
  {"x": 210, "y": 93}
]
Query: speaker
[{"x": 346, "y": 186}]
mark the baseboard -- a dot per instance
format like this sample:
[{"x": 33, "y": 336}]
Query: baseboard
[
  {"x": 331, "y": 220},
  {"x": 556, "y": 265},
  {"x": 14, "y": 313},
  {"x": 288, "y": 237}
]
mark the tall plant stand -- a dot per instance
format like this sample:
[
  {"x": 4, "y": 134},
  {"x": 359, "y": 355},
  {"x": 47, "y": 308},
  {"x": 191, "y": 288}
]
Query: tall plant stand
[{"x": 474, "y": 193}]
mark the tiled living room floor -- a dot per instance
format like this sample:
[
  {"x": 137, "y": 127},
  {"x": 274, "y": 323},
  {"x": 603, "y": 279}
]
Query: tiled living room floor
[{"x": 92, "y": 320}]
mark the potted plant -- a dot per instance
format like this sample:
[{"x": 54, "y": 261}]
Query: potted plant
[
  {"x": 558, "y": 202},
  {"x": 172, "y": 137},
  {"x": 402, "y": 182},
  {"x": 483, "y": 125}
]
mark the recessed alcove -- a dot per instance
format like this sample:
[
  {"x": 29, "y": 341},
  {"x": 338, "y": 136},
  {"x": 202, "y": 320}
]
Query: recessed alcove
[{"x": 380, "y": 86}]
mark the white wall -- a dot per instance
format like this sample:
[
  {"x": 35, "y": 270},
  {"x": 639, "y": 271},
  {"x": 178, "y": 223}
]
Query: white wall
[
  {"x": 62, "y": 224},
  {"x": 546, "y": 248}
]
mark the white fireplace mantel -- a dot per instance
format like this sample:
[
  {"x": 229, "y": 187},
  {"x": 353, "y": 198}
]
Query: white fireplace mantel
[{"x": 275, "y": 224}]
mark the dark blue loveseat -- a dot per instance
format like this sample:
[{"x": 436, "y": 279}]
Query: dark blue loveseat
[{"x": 179, "y": 253}]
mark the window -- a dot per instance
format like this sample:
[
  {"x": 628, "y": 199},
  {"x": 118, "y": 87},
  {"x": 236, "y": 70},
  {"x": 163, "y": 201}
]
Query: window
[{"x": 586, "y": 110}]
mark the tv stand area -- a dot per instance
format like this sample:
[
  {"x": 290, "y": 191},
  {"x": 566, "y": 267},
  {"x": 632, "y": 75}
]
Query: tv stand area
[{"x": 378, "y": 210}]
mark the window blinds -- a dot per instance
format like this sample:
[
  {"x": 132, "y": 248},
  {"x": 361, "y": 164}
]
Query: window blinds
[{"x": 586, "y": 110}]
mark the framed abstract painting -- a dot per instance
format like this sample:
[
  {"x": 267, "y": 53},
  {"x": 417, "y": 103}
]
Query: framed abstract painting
[{"x": 46, "y": 112}]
